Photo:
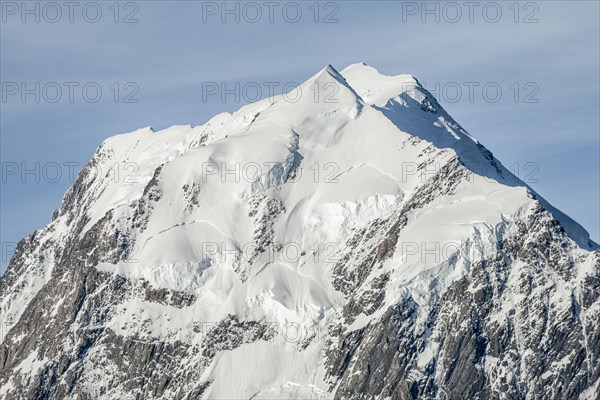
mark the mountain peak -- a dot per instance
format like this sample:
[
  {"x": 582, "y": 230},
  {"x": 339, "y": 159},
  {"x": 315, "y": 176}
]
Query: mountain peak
[
  {"x": 329, "y": 72},
  {"x": 375, "y": 87},
  {"x": 368, "y": 227},
  {"x": 334, "y": 89},
  {"x": 359, "y": 65}
]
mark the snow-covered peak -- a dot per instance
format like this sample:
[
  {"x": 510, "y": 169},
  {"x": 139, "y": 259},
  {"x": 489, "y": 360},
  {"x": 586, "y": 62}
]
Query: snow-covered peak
[
  {"x": 328, "y": 70},
  {"x": 356, "y": 118},
  {"x": 375, "y": 87},
  {"x": 329, "y": 86},
  {"x": 298, "y": 210}
]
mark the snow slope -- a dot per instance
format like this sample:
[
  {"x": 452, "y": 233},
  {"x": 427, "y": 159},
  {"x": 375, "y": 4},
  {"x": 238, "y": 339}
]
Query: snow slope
[{"x": 295, "y": 227}]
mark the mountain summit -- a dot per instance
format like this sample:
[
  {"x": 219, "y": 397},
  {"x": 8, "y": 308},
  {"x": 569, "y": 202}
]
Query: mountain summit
[{"x": 349, "y": 240}]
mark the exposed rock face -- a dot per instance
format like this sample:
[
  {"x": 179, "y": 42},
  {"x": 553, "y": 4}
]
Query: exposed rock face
[
  {"x": 366, "y": 248},
  {"x": 497, "y": 331}
]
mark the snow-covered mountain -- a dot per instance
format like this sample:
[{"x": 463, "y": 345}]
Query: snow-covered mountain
[{"x": 350, "y": 241}]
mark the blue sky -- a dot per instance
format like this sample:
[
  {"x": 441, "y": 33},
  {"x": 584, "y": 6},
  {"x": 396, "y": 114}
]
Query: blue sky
[{"x": 549, "y": 50}]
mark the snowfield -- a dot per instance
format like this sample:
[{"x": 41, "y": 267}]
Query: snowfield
[{"x": 360, "y": 246}]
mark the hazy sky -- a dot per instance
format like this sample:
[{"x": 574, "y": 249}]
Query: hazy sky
[{"x": 543, "y": 56}]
